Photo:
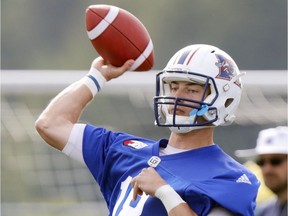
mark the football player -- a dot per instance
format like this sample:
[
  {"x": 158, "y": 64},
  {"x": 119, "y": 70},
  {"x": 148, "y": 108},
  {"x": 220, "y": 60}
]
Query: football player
[{"x": 187, "y": 174}]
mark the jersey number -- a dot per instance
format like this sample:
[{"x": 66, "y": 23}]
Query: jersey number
[{"x": 127, "y": 209}]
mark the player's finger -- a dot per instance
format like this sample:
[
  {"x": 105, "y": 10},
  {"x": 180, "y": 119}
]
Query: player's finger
[
  {"x": 98, "y": 62},
  {"x": 117, "y": 71},
  {"x": 143, "y": 171},
  {"x": 135, "y": 191},
  {"x": 128, "y": 64},
  {"x": 113, "y": 72}
]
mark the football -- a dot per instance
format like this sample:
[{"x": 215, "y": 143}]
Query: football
[{"x": 117, "y": 35}]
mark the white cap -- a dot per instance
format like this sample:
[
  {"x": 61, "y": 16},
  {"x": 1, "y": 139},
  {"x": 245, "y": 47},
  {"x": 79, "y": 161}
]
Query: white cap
[{"x": 269, "y": 141}]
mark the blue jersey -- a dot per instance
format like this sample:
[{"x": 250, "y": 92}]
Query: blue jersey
[{"x": 204, "y": 177}]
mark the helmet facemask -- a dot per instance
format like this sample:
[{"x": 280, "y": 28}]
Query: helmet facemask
[{"x": 168, "y": 108}]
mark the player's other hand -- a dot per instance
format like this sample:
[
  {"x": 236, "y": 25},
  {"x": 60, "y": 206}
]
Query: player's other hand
[
  {"x": 109, "y": 71},
  {"x": 148, "y": 181}
]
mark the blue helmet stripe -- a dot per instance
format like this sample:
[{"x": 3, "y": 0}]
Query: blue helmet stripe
[{"x": 183, "y": 57}]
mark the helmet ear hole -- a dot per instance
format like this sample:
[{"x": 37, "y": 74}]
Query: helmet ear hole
[{"x": 228, "y": 102}]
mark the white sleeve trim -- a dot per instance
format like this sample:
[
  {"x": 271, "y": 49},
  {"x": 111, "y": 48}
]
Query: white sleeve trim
[{"x": 73, "y": 148}]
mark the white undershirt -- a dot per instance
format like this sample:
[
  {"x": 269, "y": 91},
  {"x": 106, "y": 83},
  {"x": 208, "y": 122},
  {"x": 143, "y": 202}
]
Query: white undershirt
[
  {"x": 73, "y": 147},
  {"x": 170, "y": 150}
]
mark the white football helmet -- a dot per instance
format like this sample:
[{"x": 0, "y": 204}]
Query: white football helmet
[{"x": 204, "y": 65}]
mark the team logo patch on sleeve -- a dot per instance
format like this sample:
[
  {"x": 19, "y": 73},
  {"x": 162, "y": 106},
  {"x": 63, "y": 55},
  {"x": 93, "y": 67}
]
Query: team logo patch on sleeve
[{"x": 134, "y": 144}]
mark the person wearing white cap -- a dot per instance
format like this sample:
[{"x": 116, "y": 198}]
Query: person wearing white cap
[{"x": 271, "y": 156}]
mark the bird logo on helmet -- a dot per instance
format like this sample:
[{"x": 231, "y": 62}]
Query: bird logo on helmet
[{"x": 226, "y": 68}]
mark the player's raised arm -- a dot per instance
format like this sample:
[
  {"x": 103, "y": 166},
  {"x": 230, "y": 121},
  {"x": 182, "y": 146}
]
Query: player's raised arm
[{"x": 56, "y": 121}]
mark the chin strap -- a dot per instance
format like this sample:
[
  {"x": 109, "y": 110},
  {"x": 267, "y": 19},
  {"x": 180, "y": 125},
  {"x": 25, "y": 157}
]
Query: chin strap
[{"x": 201, "y": 112}]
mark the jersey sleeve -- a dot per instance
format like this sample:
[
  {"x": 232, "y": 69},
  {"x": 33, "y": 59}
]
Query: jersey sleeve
[
  {"x": 103, "y": 152},
  {"x": 96, "y": 150},
  {"x": 220, "y": 182},
  {"x": 237, "y": 197}
]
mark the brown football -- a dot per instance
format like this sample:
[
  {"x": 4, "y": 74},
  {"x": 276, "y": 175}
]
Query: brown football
[{"x": 117, "y": 35}]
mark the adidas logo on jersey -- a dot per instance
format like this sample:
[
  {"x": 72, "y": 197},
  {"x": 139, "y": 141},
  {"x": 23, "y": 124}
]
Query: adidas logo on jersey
[{"x": 243, "y": 179}]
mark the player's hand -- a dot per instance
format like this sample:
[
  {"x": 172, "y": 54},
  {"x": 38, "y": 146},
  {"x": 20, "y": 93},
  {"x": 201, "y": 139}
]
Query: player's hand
[
  {"x": 148, "y": 181},
  {"x": 109, "y": 71}
]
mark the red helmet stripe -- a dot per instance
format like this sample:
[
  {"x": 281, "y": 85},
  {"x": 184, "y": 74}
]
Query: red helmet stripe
[{"x": 192, "y": 56}]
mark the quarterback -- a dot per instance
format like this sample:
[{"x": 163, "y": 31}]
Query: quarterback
[{"x": 186, "y": 174}]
